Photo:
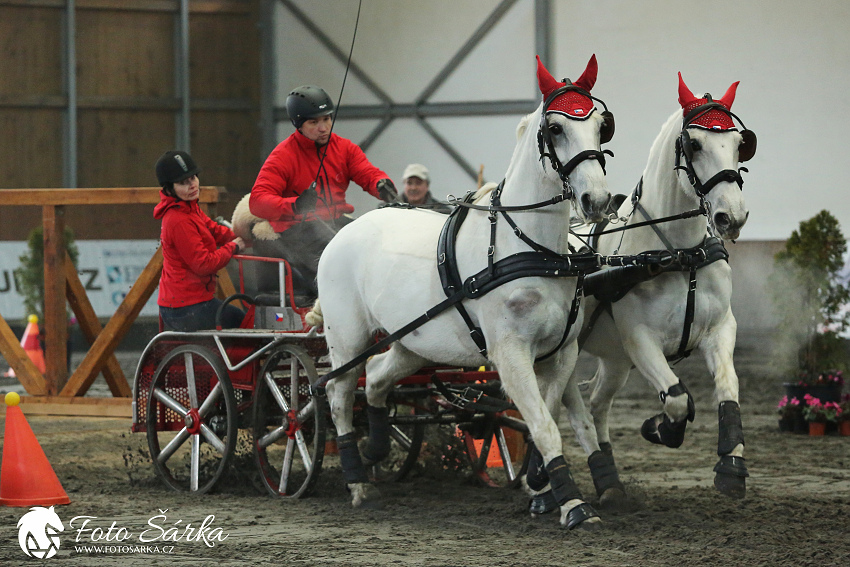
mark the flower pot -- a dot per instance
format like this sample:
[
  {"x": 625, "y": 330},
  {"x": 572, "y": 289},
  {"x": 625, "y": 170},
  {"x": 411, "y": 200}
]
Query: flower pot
[
  {"x": 816, "y": 429},
  {"x": 786, "y": 424},
  {"x": 844, "y": 428}
]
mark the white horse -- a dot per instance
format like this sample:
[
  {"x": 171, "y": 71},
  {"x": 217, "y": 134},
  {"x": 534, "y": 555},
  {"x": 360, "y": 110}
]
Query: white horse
[
  {"x": 381, "y": 272},
  {"x": 693, "y": 163}
]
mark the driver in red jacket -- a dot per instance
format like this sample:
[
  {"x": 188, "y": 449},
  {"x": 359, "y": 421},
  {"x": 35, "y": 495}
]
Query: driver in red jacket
[{"x": 301, "y": 188}]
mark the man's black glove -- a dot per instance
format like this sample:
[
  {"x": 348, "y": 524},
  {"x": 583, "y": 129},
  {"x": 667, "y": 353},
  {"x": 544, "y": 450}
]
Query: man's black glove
[
  {"x": 306, "y": 201},
  {"x": 387, "y": 191}
]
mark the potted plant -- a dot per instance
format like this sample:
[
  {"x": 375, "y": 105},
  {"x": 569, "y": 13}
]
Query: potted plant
[
  {"x": 810, "y": 297},
  {"x": 844, "y": 416},
  {"x": 819, "y": 414},
  {"x": 791, "y": 415}
]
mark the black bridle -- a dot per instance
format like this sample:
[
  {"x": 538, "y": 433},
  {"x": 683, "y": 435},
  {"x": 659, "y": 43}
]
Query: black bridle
[
  {"x": 684, "y": 150},
  {"x": 546, "y": 146}
]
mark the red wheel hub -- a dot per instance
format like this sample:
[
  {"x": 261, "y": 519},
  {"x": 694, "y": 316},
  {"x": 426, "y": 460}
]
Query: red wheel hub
[
  {"x": 293, "y": 425},
  {"x": 193, "y": 421}
]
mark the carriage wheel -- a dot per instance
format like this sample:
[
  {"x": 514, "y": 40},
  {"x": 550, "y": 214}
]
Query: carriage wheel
[
  {"x": 288, "y": 423},
  {"x": 504, "y": 465},
  {"x": 191, "y": 419},
  {"x": 406, "y": 443}
]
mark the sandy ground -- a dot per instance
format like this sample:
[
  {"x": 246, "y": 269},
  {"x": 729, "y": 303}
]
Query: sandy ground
[{"x": 797, "y": 509}]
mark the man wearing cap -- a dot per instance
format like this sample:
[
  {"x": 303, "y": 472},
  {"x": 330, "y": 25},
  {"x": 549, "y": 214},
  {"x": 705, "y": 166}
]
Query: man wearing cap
[
  {"x": 194, "y": 249},
  {"x": 301, "y": 187},
  {"x": 417, "y": 192}
]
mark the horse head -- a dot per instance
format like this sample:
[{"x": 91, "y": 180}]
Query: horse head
[
  {"x": 570, "y": 134},
  {"x": 708, "y": 149}
]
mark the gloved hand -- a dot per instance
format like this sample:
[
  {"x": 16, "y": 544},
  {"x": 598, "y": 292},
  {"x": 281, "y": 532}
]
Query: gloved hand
[
  {"x": 387, "y": 191},
  {"x": 306, "y": 201}
]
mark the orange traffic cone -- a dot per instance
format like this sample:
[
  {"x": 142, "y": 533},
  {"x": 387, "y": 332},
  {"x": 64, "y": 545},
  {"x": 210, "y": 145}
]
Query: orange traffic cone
[
  {"x": 26, "y": 477},
  {"x": 31, "y": 346}
]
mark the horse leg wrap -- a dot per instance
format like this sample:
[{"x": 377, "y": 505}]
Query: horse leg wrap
[
  {"x": 353, "y": 470},
  {"x": 730, "y": 431},
  {"x": 563, "y": 486},
  {"x": 661, "y": 430},
  {"x": 378, "y": 445},
  {"x": 537, "y": 478},
  {"x": 604, "y": 472},
  {"x": 606, "y": 448}
]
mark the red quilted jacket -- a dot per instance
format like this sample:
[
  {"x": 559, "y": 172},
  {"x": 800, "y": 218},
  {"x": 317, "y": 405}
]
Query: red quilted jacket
[
  {"x": 292, "y": 167},
  {"x": 190, "y": 252}
]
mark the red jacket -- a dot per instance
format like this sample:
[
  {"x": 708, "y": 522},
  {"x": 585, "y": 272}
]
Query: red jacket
[
  {"x": 292, "y": 167},
  {"x": 190, "y": 252}
]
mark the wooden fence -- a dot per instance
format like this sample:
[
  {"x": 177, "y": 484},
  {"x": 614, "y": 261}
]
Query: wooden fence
[{"x": 55, "y": 391}]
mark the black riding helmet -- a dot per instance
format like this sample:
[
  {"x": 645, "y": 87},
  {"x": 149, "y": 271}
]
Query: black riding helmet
[
  {"x": 175, "y": 166},
  {"x": 308, "y": 102}
]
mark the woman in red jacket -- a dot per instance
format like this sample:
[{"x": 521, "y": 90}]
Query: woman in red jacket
[
  {"x": 301, "y": 188},
  {"x": 194, "y": 249}
]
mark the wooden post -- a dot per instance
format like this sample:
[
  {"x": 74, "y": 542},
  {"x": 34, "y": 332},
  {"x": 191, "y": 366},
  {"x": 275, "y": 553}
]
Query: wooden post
[
  {"x": 55, "y": 322},
  {"x": 91, "y": 328},
  {"x": 118, "y": 325}
]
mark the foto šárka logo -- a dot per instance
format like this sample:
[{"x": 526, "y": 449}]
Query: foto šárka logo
[
  {"x": 39, "y": 529},
  {"x": 38, "y": 532}
]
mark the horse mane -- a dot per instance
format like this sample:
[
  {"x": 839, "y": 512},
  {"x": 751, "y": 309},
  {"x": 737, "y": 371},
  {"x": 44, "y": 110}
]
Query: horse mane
[{"x": 664, "y": 142}]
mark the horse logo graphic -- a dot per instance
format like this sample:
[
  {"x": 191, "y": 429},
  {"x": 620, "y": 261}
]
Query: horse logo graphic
[{"x": 38, "y": 532}]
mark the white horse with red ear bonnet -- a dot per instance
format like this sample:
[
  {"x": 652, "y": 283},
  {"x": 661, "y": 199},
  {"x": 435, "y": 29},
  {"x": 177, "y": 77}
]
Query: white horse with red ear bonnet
[
  {"x": 692, "y": 167},
  {"x": 381, "y": 272}
]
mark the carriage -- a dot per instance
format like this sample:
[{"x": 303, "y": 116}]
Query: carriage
[{"x": 195, "y": 394}]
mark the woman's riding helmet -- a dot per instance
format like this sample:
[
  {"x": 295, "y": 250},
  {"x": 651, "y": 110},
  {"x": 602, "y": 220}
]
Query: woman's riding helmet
[
  {"x": 308, "y": 102},
  {"x": 175, "y": 166}
]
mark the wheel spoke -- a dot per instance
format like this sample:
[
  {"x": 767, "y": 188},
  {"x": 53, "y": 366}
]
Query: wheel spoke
[
  {"x": 189, "y": 364},
  {"x": 170, "y": 402},
  {"x": 505, "y": 453},
  {"x": 196, "y": 463},
  {"x": 173, "y": 445},
  {"x": 287, "y": 467},
  {"x": 305, "y": 452},
  {"x": 211, "y": 438},
  {"x": 271, "y": 437},
  {"x": 294, "y": 379},
  {"x": 211, "y": 400},
  {"x": 307, "y": 411},
  {"x": 401, "y": 438},
  {"x": 276, "y": 393}
]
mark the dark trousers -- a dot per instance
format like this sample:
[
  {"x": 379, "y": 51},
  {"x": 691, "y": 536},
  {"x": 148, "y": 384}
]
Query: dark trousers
[
  {"x": 301, "y": 245},
  {"x": 200, "y": 316}
]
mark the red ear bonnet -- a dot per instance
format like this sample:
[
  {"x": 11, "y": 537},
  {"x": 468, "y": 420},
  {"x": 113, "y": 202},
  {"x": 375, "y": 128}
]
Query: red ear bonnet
[
  {"x": 713, "y": 119},
  {"x": 571, "y": 103}
]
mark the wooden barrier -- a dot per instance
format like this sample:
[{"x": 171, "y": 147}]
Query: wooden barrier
[{"x": 62, "y": 283}]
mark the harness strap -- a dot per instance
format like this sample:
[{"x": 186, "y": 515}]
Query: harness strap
[
  {"x": 447, "y": 266},
  {"x": 689, "y": 315}
]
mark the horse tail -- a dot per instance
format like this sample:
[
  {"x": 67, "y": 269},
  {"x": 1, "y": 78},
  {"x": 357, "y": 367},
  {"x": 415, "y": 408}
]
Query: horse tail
[
  {"x": 249, "y": 226},
  {"x": 314, "y": 317}
]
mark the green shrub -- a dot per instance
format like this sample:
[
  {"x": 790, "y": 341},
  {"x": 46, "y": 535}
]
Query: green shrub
[{"x": 31, "y": 272}]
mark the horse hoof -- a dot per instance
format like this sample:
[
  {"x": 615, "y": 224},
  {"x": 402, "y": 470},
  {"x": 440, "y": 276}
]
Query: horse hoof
[
  {"x": 731, "y": 477},
  {"x": 613, "y": 499},
  {"x": 590, "y": 525},
  {"x": 366, "y": 497},
  {"x": 731, "y": 485},
  {"x": 579, "y": 515}
]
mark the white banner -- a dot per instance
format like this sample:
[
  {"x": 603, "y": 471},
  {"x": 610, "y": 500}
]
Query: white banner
[{"x": 107, "y": 268}]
